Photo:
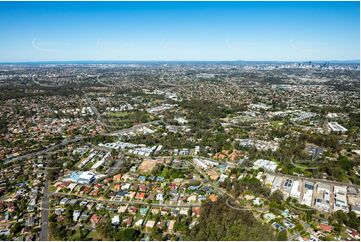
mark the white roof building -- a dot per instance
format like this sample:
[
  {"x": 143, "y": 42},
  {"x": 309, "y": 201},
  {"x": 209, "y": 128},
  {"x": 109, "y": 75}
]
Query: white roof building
[
  {"x": 296, "y": 189},
  {"x": 72, "y": 186},
  {"x": 307, "y": 196},
  {"x": 88, "y": 159},
  {"x": 257, "y": 201},
  {"x": 210, "y": 163},
  {"x": 116, "y": 220},
  {"x": 159, "y": 197},
  {"x": 86, "y": 177},
  {"x": 340, "y": 198},
  {"x": 222, "y": 178},
  {"x": 150, "y": 224},
  {"x": 265, "y": 164},
  {"x": 82, "y": 177},
  {"x": 322, "y": 197},
  {"x": 331, "y": 115},
  {"x": 139, "y": 223},
  {"x": 76, "y": 215},
  {"x": 184, "y": 211},
  {"x": 277, "y": 183},
  {"x": 101, "y": 161},
  {"x": 335, "y": 127},
  {"x": 200, "y": 163},
  {"x": 122, "y": 209},
  {"x": 269, "y": 216}
]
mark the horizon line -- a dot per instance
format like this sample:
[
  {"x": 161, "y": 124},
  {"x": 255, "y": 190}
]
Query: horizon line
[{"x": 90, "y": 60}]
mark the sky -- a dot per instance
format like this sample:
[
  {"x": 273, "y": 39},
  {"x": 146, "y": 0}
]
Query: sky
[{"x": 252, "y": 31}]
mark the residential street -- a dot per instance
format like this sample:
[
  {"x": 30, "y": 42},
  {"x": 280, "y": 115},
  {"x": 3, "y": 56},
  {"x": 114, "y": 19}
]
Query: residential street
[
  {"x": 44, "y": 232},
  {"x": 80, "y": 197}
]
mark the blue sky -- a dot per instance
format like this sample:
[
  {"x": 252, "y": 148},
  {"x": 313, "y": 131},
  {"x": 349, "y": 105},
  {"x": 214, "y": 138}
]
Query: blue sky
[{"x": 40, "y": 31}]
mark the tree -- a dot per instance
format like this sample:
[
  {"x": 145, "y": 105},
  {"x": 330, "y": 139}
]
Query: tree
[
  {"x": 114, "y": 152},
  {"x": 276, "y": 196},
  {"x": 345, "y": 163},
  {"x": 220, "y": 222},
  {"x": 340, "y": 217},
  {"x": 57, "y": 231},
  {"x": 128, "y": 234},
  {"x": 282, "y": 236},
  {"x": 16, "y": 228},
  {"x": 105, "y": 230},
  {"x": 309, "y": 214},
  {"x": 353, "y": 221},
  {"x": 156, "y": 234}
]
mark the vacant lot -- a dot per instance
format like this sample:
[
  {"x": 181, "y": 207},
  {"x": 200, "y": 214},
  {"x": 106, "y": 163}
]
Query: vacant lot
[{"x": 147, "y": 166}]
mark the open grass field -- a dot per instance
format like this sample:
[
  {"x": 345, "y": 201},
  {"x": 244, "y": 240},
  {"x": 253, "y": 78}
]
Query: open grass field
[{"x": 122, "y": 120}]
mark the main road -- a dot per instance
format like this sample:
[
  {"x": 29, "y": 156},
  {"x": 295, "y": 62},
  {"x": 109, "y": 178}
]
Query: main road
[
  {"x": 67, "y": 141},
  {"x": 64, "y": 142},
  {"x": 44, "y": 232}
]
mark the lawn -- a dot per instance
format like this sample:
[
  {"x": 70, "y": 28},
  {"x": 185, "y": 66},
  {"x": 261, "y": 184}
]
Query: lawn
[
  {"x": 52, "y": 188},
  {"x": 277, "y": 124},
  {"x": 117, "y": 114},
  {"x": 93, "y": 235},
  {"x": 127, "y": 119}
]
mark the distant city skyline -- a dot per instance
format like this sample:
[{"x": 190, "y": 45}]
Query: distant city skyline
[{"x": 179, "y": 31}]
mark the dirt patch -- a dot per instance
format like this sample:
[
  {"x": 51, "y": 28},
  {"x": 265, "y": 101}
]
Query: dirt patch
[{"x": 147, "y": 166}]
